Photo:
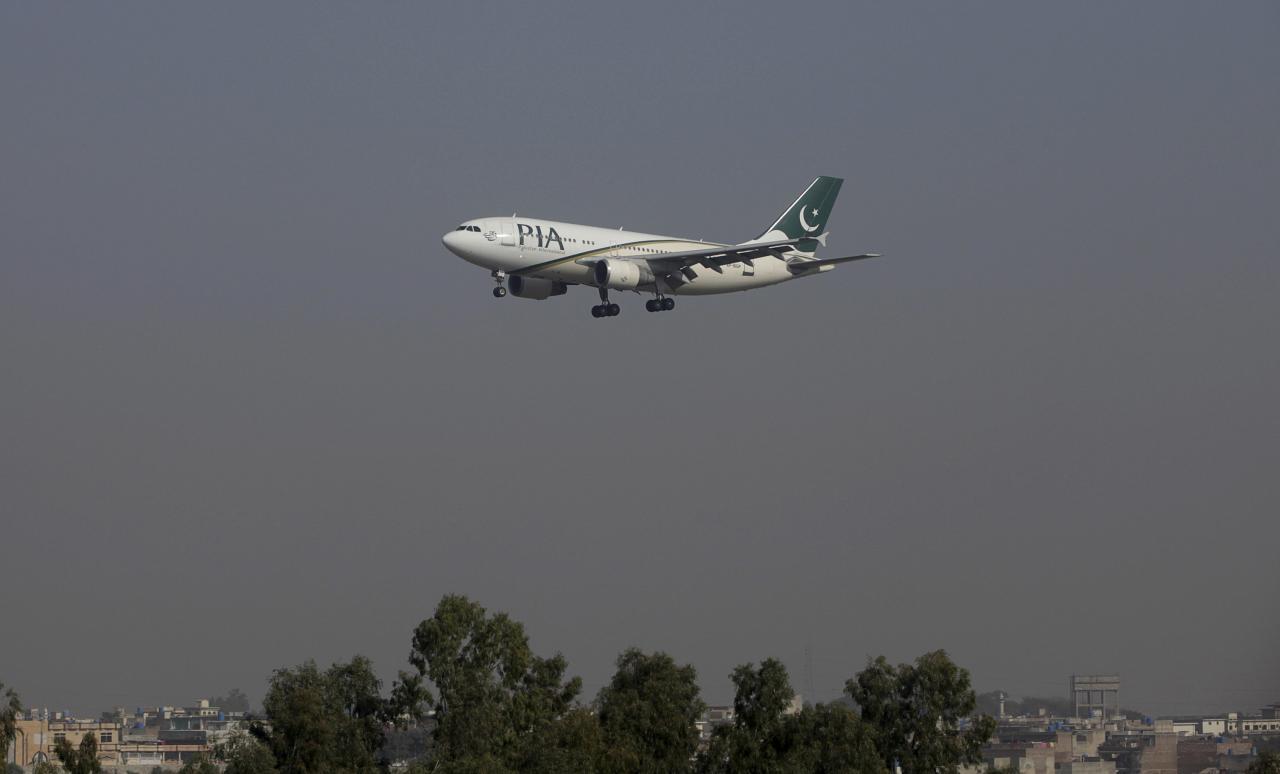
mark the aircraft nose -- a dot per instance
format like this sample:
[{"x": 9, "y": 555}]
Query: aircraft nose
[{"x": 451, "y": 240}]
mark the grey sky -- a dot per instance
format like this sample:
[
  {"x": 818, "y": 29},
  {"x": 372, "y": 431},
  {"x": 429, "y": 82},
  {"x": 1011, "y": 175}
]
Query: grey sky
[{"x": 252, "y": 412}]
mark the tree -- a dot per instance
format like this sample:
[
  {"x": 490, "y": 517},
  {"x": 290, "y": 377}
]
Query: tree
[
  {"x": 1267, "y": 762},
  {"x": 494, "y": 696},
  {"x": 751, "y": 743},
  {"x": 198, "y": 765},
  {"x": 324, "y": 721},
  {"x": 10, "y": 710},
  {"x": 920, "y": 713},
  {"x": 570, "y": 744},
  {"x": 79, "y": 761},
  {"x": 647, "y": 714},
  {"x": 765, "y": 739},
  {"x": 234, "y": 701},
  {"x": 829, "y": 739},
  {"x": 45, "y": 767},
  {"x": 243, "y": 754}
]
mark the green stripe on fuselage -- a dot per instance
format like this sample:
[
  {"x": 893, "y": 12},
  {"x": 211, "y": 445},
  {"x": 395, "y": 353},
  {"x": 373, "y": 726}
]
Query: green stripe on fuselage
[{"x": 536, "y": 267}]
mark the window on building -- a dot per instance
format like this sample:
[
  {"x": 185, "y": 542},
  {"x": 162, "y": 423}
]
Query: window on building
[{"x": 105, "y": 737}]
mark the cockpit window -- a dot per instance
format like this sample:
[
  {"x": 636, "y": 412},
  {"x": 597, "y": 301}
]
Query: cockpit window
[
  {"x": 474, "y": 228},
  {"x": 460, "y": 228}
]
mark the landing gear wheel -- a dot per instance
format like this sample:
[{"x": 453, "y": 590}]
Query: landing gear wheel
[
  {"x": 595, "y": 311},
  {"x": 651, "y": 305},
  {"x": 499, "y": 292},
  {"x": 614, "y": 310},
  {"x": 668, "y": 304}
]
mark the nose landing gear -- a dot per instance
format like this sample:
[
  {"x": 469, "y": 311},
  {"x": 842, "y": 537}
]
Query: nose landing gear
[{"x": 499, "y": 276}]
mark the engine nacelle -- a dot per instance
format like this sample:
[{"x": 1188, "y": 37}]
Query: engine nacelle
[
  {"x": 535, "y": 288},
  {"x": 622, "y": 275}
]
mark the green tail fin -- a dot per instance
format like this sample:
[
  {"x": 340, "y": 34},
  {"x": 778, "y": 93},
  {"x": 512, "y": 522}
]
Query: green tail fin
[{"x": 807, "y": 216}]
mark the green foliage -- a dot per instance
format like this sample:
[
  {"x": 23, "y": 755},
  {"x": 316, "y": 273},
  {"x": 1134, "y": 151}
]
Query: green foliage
[
  {"x": 234, "y": 701},
  {"x": 13, "y": 768},
  {"x": 571, "y": 743},
  {"x": 647, "y": 714},
  {"x": 243, "y": 754},
  {"x": 751, "y": 744},
  {"x": 1267, "y": 762},
  {"x": 495, "y": 697},
  {"x": 916, "y": 711},
  {"x": 83, "y": 760},
  {"x": 45, "y": 767},
  {"x": 198, "y": 765},
  {"x": 764, "y": 739},
  {"x": 10, "y": 709},
  {"x": 472, "y": 764},
  {"x": 829, "y": 738},
  {"x": 326, "y": 721}
]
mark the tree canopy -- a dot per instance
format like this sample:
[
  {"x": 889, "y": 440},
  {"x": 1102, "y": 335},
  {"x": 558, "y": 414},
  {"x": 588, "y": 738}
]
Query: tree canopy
[
  {"x": 647, "y": 714},
  {"x": 493, "y": 696},
  {"x": 492, "y": 706},
  {"x": 769, "y": 736},
  {"x": 920, "y": 713},
  {"x": 10, "y": 710},
  {"x": 234, "y": 701},
  {"x": 1267, "y": 762},
  {"x": 324, "y": 721},
  {"x": 242, "y": 753},
  {"x": 79, "y": 760}
]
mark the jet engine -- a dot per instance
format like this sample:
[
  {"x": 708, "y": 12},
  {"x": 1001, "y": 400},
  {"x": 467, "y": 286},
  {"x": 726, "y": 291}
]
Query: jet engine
[
  {"x": 537, "y": 289},
  {"x": 622, "y": 275}
]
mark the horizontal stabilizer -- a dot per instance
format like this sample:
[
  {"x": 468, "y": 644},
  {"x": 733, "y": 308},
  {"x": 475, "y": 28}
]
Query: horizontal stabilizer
[{"x": 799, "y": 266}]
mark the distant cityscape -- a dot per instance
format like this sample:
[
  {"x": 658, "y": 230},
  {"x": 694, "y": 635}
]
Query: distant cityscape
[{"x": 1087, "y": 732}]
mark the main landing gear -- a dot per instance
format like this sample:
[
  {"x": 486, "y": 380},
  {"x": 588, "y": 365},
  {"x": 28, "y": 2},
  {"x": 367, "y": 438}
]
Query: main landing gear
[
  {"x": 660, "y": 304},
  {"x": 604, "y": 308},
  {"x": 499, "y": 276}
]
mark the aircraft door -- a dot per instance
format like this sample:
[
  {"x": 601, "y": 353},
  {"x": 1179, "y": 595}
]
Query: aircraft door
[{"x": 502, "y": 231}]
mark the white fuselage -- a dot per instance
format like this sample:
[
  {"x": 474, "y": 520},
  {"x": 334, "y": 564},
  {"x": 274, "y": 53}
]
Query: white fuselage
[{"x": 564, "y": 252}]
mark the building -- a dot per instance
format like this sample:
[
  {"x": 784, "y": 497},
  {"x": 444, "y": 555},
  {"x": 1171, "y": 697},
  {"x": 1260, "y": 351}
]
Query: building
[
  {"x": 1087, "y": 767},
  {"x": 1032, "y": 758},
  {"x": 712, "y": 718},
  {"x": 1096, "y": 695},
  {"x": 1142, "y": 752},
  {"x": 152, "y": 737},
  {"x": 37, "y": 734},
  {"x": 1259, "y": 725},
  {"x": 1078, "y": 744}
]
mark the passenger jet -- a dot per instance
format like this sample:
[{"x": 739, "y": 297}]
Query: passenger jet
[{"x": 542, "y": 258}]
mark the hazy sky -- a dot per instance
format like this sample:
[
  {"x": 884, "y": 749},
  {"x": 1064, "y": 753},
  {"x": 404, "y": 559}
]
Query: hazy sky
[{"x": 253, "y": 412}]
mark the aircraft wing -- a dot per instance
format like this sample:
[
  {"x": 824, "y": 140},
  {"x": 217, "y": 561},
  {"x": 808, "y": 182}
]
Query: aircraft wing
[{"x": 715, "y": 257}]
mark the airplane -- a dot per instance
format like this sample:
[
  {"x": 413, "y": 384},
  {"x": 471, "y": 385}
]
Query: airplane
[{"x": 542, "y": 258}]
